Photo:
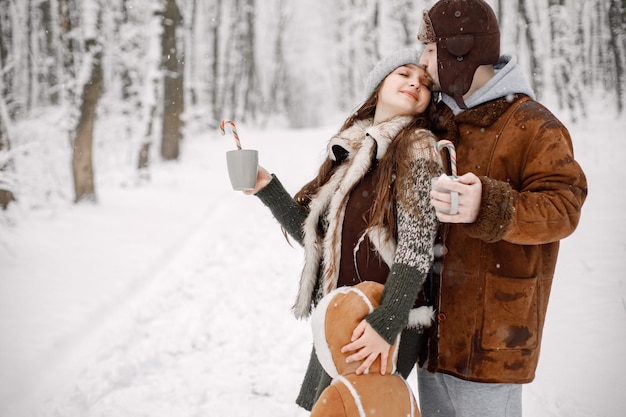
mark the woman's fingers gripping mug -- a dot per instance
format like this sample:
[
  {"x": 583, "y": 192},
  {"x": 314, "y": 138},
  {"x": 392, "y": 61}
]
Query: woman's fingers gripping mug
[{"x": 454, "y": 196}]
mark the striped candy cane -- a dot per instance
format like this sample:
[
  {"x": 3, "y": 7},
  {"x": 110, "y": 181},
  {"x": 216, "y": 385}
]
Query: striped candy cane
[
  {"x": 452, "y": 150},
  {"x": 233, "y": 128}
]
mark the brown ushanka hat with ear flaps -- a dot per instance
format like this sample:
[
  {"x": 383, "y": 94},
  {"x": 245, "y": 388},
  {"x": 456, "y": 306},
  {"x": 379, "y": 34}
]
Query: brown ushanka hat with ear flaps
[{"x": 467, "y": 36}]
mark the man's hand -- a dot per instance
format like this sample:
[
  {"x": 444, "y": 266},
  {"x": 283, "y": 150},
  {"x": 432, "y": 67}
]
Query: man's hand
[{"x": 469, "y": 189}]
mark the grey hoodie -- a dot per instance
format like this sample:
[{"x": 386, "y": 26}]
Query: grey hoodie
[{"x": 508, "y": 80}]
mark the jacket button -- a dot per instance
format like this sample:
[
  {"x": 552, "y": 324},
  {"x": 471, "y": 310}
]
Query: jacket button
[{"x": 441, "y": 317}]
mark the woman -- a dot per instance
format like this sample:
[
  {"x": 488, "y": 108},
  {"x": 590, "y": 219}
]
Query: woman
[{"x": 367, "y": 215}]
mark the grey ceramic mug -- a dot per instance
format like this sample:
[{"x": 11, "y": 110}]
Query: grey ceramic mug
[{"x": 242, "y": 168}]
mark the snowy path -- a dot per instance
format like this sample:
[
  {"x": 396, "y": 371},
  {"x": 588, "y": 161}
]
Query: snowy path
[
  {"x": 189, "y": 325},
  {"x": 181, "y": 308},
  {"x": 189, "y": 343}
]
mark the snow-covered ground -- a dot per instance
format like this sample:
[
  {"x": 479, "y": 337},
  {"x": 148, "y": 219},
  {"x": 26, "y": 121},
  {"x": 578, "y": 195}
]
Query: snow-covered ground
[{"x": 172, "y": 297}]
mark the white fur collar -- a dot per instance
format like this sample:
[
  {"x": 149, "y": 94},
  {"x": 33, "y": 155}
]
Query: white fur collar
[
  {"x": 352, "y": 138},
  {"x": 361, "y": 143}
]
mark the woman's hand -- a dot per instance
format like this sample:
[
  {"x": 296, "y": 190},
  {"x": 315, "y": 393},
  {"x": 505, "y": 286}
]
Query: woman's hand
[
  {"x": 368, "y": 344},
  {"x": 263, "y": 177}
]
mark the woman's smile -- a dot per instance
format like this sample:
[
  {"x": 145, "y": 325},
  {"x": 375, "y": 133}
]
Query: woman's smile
[{"x": 410, "y": 94}]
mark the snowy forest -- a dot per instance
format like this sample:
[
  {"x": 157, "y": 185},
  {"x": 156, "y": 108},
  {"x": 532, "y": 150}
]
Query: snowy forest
[
  {"x": 134, "y": 281},
  {"x": 123, "y": 81}
]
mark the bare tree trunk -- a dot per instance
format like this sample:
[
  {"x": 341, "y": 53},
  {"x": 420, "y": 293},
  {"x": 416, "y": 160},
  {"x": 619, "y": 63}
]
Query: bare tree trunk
[
  {"x": 536, "y": 61},
  {"x": 127, "y": 81},
  {"x": 173, "y": 93},
  {"x": 82, "y": 161},
  {"x": 50, "y": 75},
  {"x": 214, "y": 65},
  {"x": 408, "y": 28},
  {"x": 344, "y": 97},
  {"x": 6, "y": 162},
  {"x": 6, "y": 39},
  {"x": 149, "y": 104},
  {"x": 278, "y": 100},
  {"x": 357, "y": 35},
  {"x": 239, "y": 93},
  {"x": 251, "y": 96},
  {"x": 29, "y": 56},
  {"x": 143, "y": 161},
  {"x": 191, "y": 79},
  {"x": 67, "y": 54},
  {"x": 616, "y": 43},
  {"x": 498, "y": 10},
  {"x": 567, "y": 83}
]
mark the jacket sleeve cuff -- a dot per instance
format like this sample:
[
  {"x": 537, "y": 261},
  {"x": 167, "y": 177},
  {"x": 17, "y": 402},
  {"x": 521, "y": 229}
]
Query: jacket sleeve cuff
[
  {"x": 497, "y": 209},
  {"x": 274, "y": 190},
  {"x": 401, "y": 289},
  {"x": 283, "y": 207}
]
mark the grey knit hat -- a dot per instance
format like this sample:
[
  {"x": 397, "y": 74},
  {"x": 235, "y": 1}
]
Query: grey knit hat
[{"x": 389, "y": 63}]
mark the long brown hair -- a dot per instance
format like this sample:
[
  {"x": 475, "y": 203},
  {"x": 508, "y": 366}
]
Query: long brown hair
[{"x": 396, "y": 163}]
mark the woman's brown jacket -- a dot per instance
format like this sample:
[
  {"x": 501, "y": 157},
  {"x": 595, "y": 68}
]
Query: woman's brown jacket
[{"x": 492, "y": 291}]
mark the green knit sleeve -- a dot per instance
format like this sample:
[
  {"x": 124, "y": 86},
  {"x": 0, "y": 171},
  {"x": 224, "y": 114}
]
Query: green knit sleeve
[
  {"x": 416, "y": 224},
  {"x": 401, "y": 289},
  {"x": 283, "y": 208}
]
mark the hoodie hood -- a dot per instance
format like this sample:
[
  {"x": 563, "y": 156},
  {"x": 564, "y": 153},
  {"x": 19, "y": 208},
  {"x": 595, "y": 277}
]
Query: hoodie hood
[{"x": 508, "y": 80}]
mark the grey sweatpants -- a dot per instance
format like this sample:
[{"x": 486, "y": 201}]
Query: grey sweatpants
[{"x": 442, "y": 395}]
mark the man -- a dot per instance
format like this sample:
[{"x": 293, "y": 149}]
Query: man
[{"x": 520, "y": 192}]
